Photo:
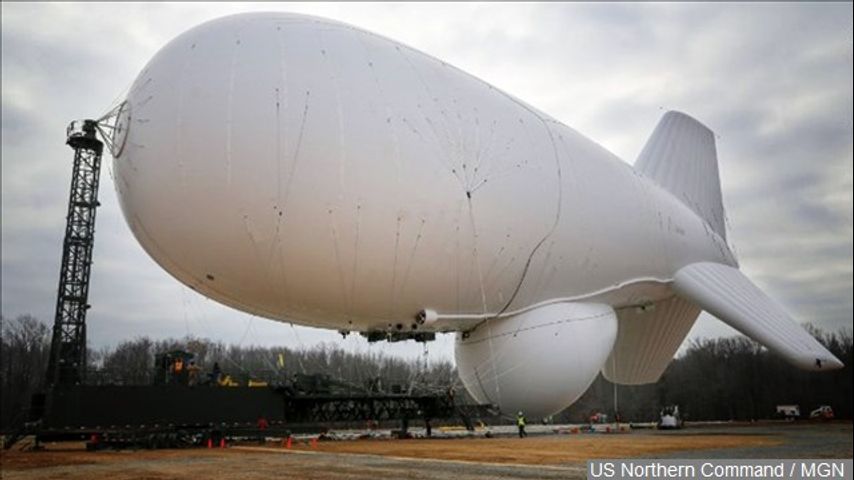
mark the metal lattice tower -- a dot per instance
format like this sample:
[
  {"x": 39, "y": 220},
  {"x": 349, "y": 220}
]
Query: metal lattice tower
[{"x": 67, "y": 363}]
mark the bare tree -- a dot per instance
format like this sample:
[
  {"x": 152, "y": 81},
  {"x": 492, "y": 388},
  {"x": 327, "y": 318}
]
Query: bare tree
[{"x": 24, "y": 355}]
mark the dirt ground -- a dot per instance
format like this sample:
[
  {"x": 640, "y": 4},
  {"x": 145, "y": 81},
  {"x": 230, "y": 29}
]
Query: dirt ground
[
  {"x": 74, "y": 453},
  {"x": 544, "y": 456},
  {"x": 543, "y": 450}
]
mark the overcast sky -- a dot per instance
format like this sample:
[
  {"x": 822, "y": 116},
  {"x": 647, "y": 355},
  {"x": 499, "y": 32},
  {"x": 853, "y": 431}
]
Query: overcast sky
[{"x": 774, "y": 81}]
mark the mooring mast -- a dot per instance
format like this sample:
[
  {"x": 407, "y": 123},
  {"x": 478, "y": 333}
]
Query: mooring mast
[{"x": 67, "y": 364}]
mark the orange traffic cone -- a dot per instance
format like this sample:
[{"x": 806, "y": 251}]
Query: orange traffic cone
[
  {"x": 314, "y": 442},
  {"x": 288, "y": 442}
]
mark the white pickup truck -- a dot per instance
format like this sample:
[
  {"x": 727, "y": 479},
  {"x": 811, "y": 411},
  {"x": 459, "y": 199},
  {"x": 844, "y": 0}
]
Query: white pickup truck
[{"x": 789, "y": 412}]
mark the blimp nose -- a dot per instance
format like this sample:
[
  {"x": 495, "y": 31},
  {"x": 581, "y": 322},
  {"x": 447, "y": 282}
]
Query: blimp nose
[
  {"x": 253, "y": 173},
  {"x": 301, "y": 169}
]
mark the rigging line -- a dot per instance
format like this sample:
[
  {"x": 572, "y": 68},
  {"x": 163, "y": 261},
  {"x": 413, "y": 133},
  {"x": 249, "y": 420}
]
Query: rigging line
[
  {"x": 482, "y": 291},
  {"x": 501, "y": 354},
  {"x": 204, "y": 320},
  {"x": 268, "y": 349},
  {"x": 352, "y": 299},
  {"x": 491, "y": 280},
  {"x": 229, "y": 119},
  {"x": 457, "y": 254},
  {"x": 228, "y": 357},
  {"x": 302, "y": 347},
  {"x": 483, "y": 390},
  {"x": 442, "y": 153},
  {"x": 476, "y": 258},
  {"x": 454, "y": 380},
  {"x": 412, "y": 256},
  {"x": 541, "y": 325},
  {"x": 342, "y": 283},
  {"x": 486, "y": 153},
  {"x": 500, "y": 154},
  {"x": 412, "y": 378},
  {"x": 503, "y": 171},
  {"x": 143, "y": 73},
  {"x": 226, "y": 350},
  {"x": 394, "y": 268},
  {"x": 240, "y": 345},
  {"x": 495, "y": 259},
  {"x": 256, "y": 250},
  {"x": 273, "y": 368},
  {"x": 246, "y": 331},
  {"x": 281, "y": 85},
  {"x": 471, "y": 151},
  {"x": 500, "y": 166},
  {"x": 445, "y": 158},
  {"x": 421, "y": 377},
  {"x": 546, "y": 236},
  {"x": 297, "y": 149},
  {"x": 195, "y": 319},
  {"x": 281, "y": 204},
  {"x": 184, "y": 307},
  {"x": 122, "y": 96},
  {"x": 497, "y": 375}
]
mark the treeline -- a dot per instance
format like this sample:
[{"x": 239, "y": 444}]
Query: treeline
[
  {"x": 730, "y": 378},
  {"x": 714, "y": 379},
  {"x": 24, "y": 351}
]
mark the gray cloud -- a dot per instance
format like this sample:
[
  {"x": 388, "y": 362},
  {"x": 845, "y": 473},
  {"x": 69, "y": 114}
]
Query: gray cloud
[{"x": 773, "y": 80}]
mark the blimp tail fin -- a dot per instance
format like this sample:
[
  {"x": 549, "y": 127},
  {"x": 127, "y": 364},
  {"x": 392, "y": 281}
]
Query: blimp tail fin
[
  {"x": 680, "y": 157},
  {"x": 726, "y": 293},
  {"x": 647, "y": 339}
]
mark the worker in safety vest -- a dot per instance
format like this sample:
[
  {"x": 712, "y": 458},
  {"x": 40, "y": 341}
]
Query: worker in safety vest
[
  {"x": 177, "y": 370},
  {"x": 520, "y": 422}
]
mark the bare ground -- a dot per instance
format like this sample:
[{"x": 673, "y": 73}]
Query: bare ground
[{"x": 548, "y": 456}]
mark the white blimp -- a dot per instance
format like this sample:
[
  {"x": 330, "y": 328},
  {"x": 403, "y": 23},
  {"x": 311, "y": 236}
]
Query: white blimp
[{"x": 304, "y": 170}]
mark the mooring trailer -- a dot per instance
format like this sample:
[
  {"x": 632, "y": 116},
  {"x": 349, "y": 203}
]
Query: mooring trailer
[
  {"x": 174, "y": 415},
  {"x": 91, "y": 408}
]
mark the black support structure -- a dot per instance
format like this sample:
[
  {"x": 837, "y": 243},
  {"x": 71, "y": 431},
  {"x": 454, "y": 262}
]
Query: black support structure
[{"x": 67, "y": 365}]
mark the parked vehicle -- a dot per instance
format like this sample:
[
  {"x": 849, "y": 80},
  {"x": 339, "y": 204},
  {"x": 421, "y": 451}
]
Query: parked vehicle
[
  {"x": 789, "y": 412},
  {"x": 823, "y": 412}
]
